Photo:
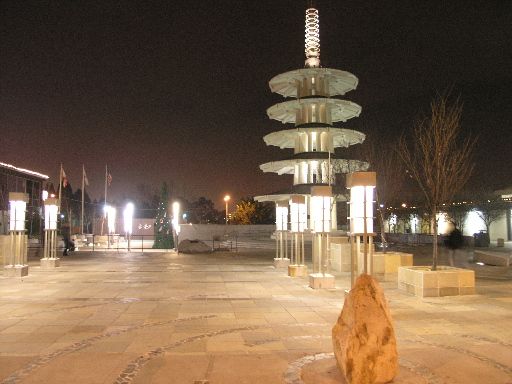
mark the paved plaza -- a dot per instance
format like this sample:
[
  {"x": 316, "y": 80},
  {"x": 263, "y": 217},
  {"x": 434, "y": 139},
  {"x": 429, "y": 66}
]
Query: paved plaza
[{"x": 109, "y": 317}]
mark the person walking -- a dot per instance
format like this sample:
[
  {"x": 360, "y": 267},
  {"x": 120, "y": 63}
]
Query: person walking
[{"x": 455, "y": 241}]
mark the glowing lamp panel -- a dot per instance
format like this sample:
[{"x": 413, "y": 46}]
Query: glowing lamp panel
[
  {"x": 357, "y": 209},
  {"x": 17, "y": 212},
  {"x": 111, "y": 219},
  {"x": 321, "y": 213},
  {"x": 128, "y": 218},
  {"x": 50, "y": 217},
  {"x": 298, "y": 213},
  {"x": 281, "y": 218}
]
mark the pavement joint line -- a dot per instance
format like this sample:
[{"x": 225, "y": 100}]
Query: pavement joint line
[
  {"x": 293, "y": 374},
  {"x": 21, "y": 373},
  {"x": 134, "y": 367},
  {"x": 463, "y": 351}
]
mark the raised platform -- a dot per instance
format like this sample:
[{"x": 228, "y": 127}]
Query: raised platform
[
  {"x": 281, "y": 262},
  {"x": 389, "y": 262},
  {"x": 49, "y": 263},
  {"x": 16, "y": 270},
  {"x": 321, "y": 281},
  {"x": 445, "y": 281}
]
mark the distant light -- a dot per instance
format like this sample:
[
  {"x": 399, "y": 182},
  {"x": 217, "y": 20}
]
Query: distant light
[
  {"x": 404, "y": 205},
  {"x": 45, "y": 195},
  {"x": 480, "y": 263},
  {"x": 184, "y": 216},
  {"x": 381, "y": 205},
  {"x": 227, "y": 198},
  {"x": 61, "y": 216}
]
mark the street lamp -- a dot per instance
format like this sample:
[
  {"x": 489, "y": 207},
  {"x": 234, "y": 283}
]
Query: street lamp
[
  {"x": 176, "y": 221},
  {"x": 226, "y": 200},
  {"x": 128, "y": 222},
  {"x": 16, "y": 262},
  {"x": 362, "y": 185},
  {"x": 50, "y": 259},
  {"x": 321, "y": 205},
  {"x": 298, "y": 221}
]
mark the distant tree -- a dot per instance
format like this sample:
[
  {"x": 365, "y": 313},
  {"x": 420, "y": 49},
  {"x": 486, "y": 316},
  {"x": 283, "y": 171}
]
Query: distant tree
[
  {"x": 202, "y": 211},
  {"x": 163, "y": 230},
  {"x": 249, "y": 211},
  {"x": 490, "y": 208},
  {"x": 438, "y": 158},
  {"x": 384, "y": 160}
]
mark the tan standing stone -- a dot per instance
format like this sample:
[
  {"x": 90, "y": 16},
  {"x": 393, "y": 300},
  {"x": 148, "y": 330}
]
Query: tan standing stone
[{"x": 363, "y": 338}]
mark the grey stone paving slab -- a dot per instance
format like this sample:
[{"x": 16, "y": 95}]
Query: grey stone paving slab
[{"x": 167, "y": 318}]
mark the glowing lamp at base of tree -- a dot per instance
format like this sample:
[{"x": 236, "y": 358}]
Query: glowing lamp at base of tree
[{"x": 51, "y": 207}]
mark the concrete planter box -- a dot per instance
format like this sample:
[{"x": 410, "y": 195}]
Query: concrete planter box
[
  {"x": 389, "y": 262},
  {"x": 446, "y": 281}
]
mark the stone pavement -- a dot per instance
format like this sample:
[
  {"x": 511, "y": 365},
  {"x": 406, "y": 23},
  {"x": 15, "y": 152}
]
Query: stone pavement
[{"x": 228, "y": 318}]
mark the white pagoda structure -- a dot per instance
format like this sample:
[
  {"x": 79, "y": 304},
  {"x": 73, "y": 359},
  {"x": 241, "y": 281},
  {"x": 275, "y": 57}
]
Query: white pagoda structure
[{"x": 314, "y": 106}]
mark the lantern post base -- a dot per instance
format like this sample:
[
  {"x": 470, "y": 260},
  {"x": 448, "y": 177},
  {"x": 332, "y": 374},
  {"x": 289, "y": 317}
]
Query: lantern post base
[
  {"x": 16, "y": 270},
  {"x": 50, "y": 263},
  {"x": 321, "y": 281},
  {"x": 281, "y": 262},
  {"x": 295, "y": 270}
]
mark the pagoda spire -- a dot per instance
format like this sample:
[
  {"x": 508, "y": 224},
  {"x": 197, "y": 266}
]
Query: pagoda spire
[{"x": 312, "y": 38}]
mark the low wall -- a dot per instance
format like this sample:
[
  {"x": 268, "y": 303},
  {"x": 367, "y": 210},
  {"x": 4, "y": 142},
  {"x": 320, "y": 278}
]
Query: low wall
[{"x": 223, "y": 232}]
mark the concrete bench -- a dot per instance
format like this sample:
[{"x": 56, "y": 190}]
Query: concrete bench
[{"x": 501, "y": 259}]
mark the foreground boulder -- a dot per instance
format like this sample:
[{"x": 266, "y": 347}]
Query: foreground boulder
[
  {"x": 193, "y": 246},
  {"x": 363, "y": 338}
]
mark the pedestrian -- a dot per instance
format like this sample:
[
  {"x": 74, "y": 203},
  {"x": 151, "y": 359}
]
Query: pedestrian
[{"x": 455, "y": 241}]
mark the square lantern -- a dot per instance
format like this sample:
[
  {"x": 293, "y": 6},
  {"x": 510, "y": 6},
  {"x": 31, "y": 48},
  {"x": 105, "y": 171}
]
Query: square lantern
[
  {"x": 282, "y": 215},
  {"x": 51, "y": 207},
  {"x": 18, "y": 207},
  {"x": 298, "y": 213},
  {"x": 111, "y": 219},
  {"x": 128, "y": 218},
  {"x": 321, "y": 204},
  {"x": 362, "y": 186}
]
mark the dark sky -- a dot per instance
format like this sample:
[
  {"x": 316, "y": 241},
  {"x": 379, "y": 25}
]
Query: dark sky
[{"x": 177, "y": 91}]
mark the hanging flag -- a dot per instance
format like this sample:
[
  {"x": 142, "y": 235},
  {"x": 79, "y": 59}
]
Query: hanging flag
[
  {"x": 109, "y": 179},
  {"x": 86, "y": 181}
]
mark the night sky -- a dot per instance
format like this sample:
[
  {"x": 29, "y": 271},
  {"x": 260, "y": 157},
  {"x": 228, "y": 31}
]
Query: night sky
[{"x": 177, "y": 91}]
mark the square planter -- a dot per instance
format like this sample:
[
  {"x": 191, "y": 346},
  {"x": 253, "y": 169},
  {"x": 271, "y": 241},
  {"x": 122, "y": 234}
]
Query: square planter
[
  {"x": 446, "y": 281},
  {"x": 389, "y": 262}
]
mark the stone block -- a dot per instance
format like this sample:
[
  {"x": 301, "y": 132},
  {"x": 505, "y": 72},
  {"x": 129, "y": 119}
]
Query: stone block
[
  {"x": 500, "y": 242},
  {"x": 281, "y": 262},
  {"x": 297, "y": 270},
  {"x": 16, "y": 270},
  {"x": 48, "y": 263},
  {"x": 322, "y": 281},
  {"x": 501, "y": 259}
]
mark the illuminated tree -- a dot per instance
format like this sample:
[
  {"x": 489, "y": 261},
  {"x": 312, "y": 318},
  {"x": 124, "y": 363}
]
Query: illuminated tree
[
  {"x": 438, "y": 158},
  {"x": 163, "y": 230}
]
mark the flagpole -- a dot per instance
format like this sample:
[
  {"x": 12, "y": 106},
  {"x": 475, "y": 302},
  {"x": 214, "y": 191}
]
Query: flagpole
[
  {"x": 106, "y": 176},
  {"x": 60, "y": 186},
  {"x": 83, "y": 193}
]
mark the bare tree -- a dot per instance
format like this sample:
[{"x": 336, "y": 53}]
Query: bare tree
[
  {"x": 384, "y": 160},
  {"x": 490, "y": 208},
  {"x": 438, "y": 157}
]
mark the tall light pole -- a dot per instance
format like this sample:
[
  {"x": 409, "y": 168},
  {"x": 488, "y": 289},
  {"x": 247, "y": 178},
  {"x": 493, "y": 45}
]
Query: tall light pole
[{"x": 226, "y": 200}]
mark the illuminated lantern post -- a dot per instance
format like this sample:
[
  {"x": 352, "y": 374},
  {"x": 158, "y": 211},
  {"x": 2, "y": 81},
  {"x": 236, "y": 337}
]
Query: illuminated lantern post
[
  {"x": 361, "y": 185},
  {"x": 320, "y": 211},
  {"x": 298, "y": 220},
  {"x": 50, "y": 259},
  {"x": 176, "y": 222},
  {"x": 16, "y": 260},
  {"x": 128, "y": 222},
  {"x": 281, "y": 260}
]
